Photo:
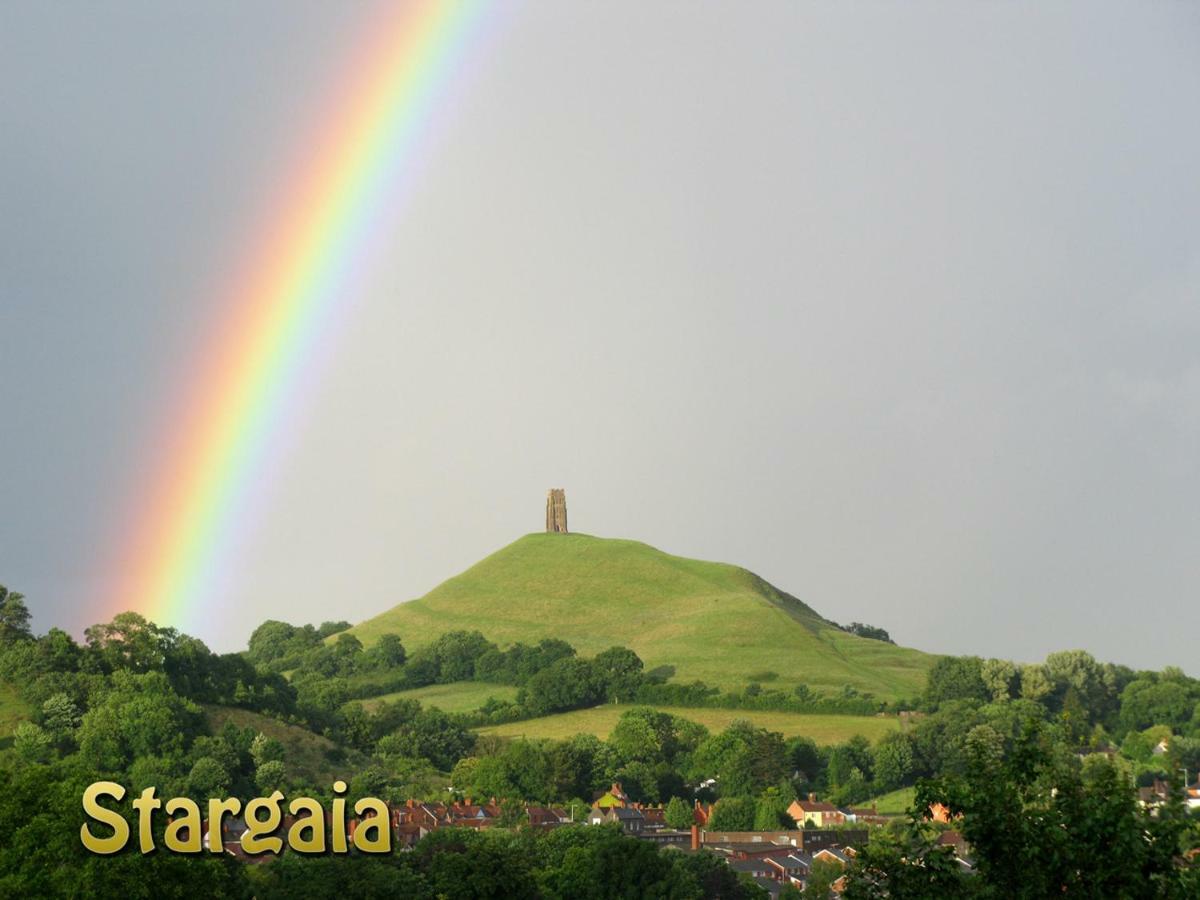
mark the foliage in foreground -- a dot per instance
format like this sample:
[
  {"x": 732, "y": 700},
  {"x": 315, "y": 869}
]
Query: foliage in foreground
[{"x": 1041, "y": 823}]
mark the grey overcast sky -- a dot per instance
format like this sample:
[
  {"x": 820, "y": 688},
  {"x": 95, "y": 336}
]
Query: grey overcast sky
[{"x": 896, "y": 304}]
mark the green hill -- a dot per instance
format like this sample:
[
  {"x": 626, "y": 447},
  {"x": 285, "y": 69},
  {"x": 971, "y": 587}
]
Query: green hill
[
  {"x": 711, "y": 621},
  {"x": 311, "y": 757}
]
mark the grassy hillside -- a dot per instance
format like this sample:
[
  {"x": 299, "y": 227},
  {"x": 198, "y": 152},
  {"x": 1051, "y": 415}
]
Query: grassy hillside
[
  {"x": 716, "y": 622},
  {"x": 600, "y": 721},
  {"x": 306, "y": 755},
  {"x": 13, "y": 712},
  {"x": 459, "y": 697},
  {"x": 895, "y": 803}
]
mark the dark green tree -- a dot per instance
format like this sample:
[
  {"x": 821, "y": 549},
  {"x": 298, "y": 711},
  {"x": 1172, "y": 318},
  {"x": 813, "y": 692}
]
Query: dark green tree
[
  {"x": 733, "y": 814},
  {"x": 679, "y": 814},
  {"x": 956, "y": 678},
  {"x": 14, "y": 617},
  {"x": 621, "y": 671}
]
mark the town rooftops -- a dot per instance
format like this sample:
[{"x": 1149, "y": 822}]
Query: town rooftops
[
  {"x": 817, "y": 806},
  {"x": 627, "y": 813}
]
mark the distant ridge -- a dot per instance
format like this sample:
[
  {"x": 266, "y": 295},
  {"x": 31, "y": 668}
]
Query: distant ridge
[{"x": 715, "y": 622}]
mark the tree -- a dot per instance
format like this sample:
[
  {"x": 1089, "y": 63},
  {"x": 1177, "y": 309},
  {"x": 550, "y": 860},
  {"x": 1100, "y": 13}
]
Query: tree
[
  {"x": 431, "y": 735},
  {"x": 906, "y": 864},
  {"x": 270, "y": 777},
  {"x": 330, "y": 628},
  {"x": 821, "y": 878},
  {"x": 130, "y": 641},
  {"x": 869, "y": 631},
  {"x": 207, "y": 779},
  {"x": 589, "y": 862},
  {"x": 454, "y": 655},
  {"x": 14, "y": 617},
  {"x": 771, "y": 811},
  {"x": 894, "y": 761},
  {"x": 265, "y": 749},
  {"x": 388, "y": 652},
  {"x": 1035, "y": 683},
  {"x": 581, "y": 765},
  {"x": 647, "y": 735},
  {"x": 621, "y": 671},
  {"x": 733, "y": 814},
  {"x": 140, "y": 716},
  {"x": 678, "y": 814},
  {"x": 60, "y": 716},
  {"x": 570, "y": 683},
  {"x": 1042, "y": 825},
  {"x": 1078, "y": 670},
  {"x": 805, "y": 758},
  {"x": 1000, "y": 677},
  {"x": 956, "y": 678},
  {"x": 714, "y": 878},
  {"x": 1149, "y": 701},
  {"x": 40, "y": 857},
  {"x": 270, "y": 640},
  {"x": 31, "y": 743}
]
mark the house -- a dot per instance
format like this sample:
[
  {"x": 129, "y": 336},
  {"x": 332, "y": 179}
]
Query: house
[
  {"x": 962, "y": 849},
  {"x": 754, "y": 867},
  {"x": 790, "y": 868},
  {"x": 866, "y": 815},
  {"x": 471, "y": 815},
  {"x": 820, "y": 813},
  {"x": 631, "y": 819},
  {"x": 1158, "y": 793},
  {"x": 656, "y": 816},
  {"x": 546, "y": 816},
  {"x": 956, "y": 840},
  {"x": 232, "y": 830},
  {"x": 939, "y": 812},
  {"x": 614, "y": 796},
  {"x": 809, "y": 840},
  {"x": 839, "y": 855}
]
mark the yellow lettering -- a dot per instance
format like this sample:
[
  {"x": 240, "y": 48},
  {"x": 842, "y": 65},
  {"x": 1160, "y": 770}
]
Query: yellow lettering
[
  {"x": 339, "y": 819},
  {"x": 255, "y": 840},
  {"x": 313, "y": 823},
  {"x": 189, "y": 822},
  {"x": 379, "y": 824},
  {"x": 216, "y": 813},
  {"x": 111, "y": 818},
  {"x": 146, "y": 805}
]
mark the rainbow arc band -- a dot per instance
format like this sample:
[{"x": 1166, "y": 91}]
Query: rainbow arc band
[{"x": 243, "y": 395}]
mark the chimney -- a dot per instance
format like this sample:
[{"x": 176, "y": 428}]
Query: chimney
[
  {"x": 695, "y": 837},
  {"x": 812, "y": 798},
  {"x": 410, "y": 803}
]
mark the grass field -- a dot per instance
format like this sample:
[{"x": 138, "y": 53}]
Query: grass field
[
  {"x": 461, "y": 696},
  {"x": 711, "y": 621},
  {"x": 601, "y": 719},
  {"x": 306, "y": 755},
  {"x": 12, "y": 713},
  {"x": 895, "y": 803}
]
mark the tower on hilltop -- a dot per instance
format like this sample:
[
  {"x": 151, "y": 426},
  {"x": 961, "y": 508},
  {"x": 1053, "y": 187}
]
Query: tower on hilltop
[{"x": 556, "y": 511}]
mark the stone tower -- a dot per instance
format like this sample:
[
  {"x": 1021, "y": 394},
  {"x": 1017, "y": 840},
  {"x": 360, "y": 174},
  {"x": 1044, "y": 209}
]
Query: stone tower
[{"x": 556, "y": 511}]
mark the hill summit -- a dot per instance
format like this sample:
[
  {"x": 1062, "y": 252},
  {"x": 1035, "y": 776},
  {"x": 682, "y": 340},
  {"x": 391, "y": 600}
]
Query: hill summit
[{"x": 715, "y": 622}]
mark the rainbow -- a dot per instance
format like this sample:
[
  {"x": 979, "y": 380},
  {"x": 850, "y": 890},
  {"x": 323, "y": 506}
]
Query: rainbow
[{"x": 242, "y": 397}]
